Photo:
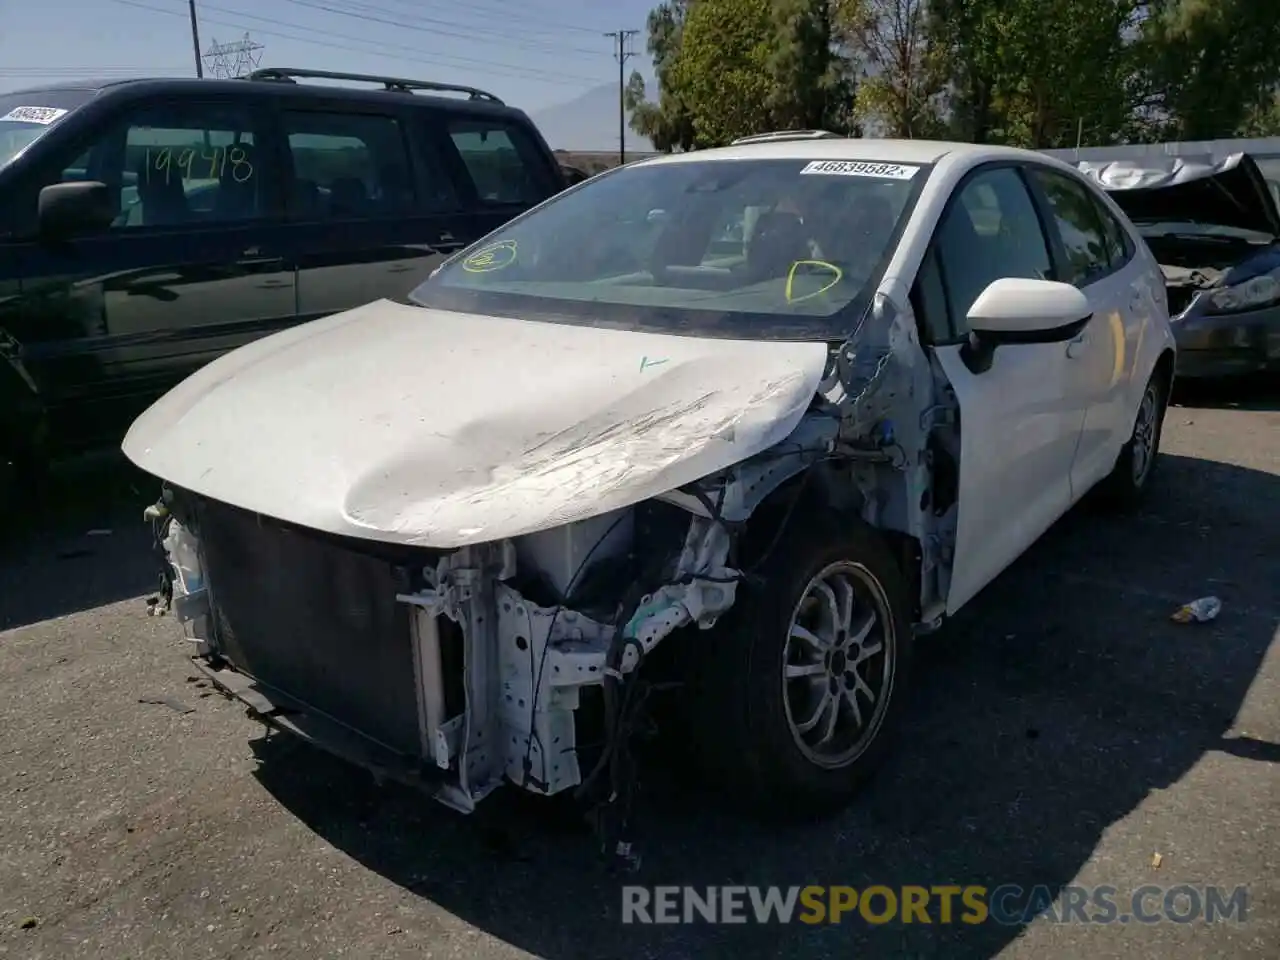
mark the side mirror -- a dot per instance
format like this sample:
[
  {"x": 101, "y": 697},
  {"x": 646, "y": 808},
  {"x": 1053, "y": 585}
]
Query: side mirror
[
  {"x": 1014, "y": 310},
  {"x": 66, "y": 210}
]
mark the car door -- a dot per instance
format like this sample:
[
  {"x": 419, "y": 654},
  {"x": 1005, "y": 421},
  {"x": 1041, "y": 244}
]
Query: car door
[
  {"x": 1094, "y": 256},
  {"x": 501, "y": 164},
  {"x": 1018, "y": 426},
  {"x": 190, "y": 267},
  {"x": 372, "y": 212}
]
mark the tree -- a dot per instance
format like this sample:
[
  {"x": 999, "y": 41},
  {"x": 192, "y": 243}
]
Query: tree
[
  {"x": 728, "y": 68},
  {"x": 667, "y": 122},
  {"x": 1037, "y": 73},
  {"x": 1212, "y": 65},
  {"x": 905, "y": 71}
]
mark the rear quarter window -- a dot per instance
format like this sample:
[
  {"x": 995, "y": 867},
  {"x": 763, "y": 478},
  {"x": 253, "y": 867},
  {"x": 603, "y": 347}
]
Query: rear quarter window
[{"x": 501, "y": 160}]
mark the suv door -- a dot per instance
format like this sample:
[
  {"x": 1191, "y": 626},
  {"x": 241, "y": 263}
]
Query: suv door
[
  {"x": 190, "y": 267},
  {"x": 1018, "y": 430},
  {"x": 372, "y": 213},
  {"x": 1096, "y": 255},
  {"x": 501, "y": 164}
]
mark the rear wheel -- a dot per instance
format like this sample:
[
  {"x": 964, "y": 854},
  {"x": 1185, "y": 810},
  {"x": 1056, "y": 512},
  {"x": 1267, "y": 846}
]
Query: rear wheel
[
  {"x": 803, "y": 685},
  {"x": 1128, "y": 482}
]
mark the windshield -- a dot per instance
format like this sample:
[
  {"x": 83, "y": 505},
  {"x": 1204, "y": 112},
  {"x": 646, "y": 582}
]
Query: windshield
[
  {"x": 741, "y": 248},
  {"x": 26, "y": 116}
]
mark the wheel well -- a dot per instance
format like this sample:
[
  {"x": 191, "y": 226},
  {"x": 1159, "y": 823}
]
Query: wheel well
[
  {"x": 1164, "y": 372},
  {"x": 821, "y": 490}
]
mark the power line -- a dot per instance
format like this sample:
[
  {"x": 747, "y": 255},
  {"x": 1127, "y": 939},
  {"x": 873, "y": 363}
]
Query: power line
[
  {"x": 370, "y": 46},
  {"x": 622, "y": 52},
  {"x": 374, "y": 13},
  {"x": 500, "y": 14}
]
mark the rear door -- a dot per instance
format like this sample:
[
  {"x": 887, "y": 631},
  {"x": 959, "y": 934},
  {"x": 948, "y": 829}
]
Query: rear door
[
  {"x": 372, "y": 211},
  {"x": 190, "y": 268},
  {"x": 1095, "y": 254},
  {"x": 501, "y": 163},
  {"x": 1019, "y": 428}
]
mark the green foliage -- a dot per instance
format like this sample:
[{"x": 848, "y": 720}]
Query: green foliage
[
  {"x": 1213, "y": 66},
  {"x": 727, "y": 68},
  {"x": 1037, "y": 73}
]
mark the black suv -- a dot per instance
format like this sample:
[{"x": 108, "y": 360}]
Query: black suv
[{"x": 148, "y": 226}]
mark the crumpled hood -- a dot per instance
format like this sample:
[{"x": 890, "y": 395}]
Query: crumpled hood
[
  {"x": 1231, "y": 192},
  {"x": 408, "y": 425}
]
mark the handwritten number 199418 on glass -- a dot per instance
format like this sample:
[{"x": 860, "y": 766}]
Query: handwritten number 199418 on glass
[{"x": 190, "y": 163}]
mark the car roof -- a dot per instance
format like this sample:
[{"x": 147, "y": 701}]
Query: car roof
[
  {"x": 303, "y": 90},
  {"x": 870, "y": 149}
]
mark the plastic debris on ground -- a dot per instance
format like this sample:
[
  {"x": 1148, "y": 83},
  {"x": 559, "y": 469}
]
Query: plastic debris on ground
[{"x": 1198, "y": 611}]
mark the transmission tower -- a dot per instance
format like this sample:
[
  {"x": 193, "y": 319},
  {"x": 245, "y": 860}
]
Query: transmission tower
[{"x": 229, "y": 60}]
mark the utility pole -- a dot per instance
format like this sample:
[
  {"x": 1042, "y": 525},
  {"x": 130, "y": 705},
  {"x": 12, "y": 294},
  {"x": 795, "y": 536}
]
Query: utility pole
[
  {"x": 623, "y": 53},
  {"x": 195, "y": 38}
]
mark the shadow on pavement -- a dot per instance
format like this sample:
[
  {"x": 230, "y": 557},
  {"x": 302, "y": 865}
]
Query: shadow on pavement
[
  {"x": 1042, "y": 716},
  {"x": 1255, "y": 392},
  {"x": 84, "y": 544}
]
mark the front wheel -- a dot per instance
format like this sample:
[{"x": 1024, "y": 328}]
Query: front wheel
[{"x": 804, "y": 683}]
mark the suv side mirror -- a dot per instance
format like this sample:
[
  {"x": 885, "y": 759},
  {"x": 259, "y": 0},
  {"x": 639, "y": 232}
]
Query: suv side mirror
[
  {"x": 80, "y": 207},
  {"x": 1013, "y": 310}
]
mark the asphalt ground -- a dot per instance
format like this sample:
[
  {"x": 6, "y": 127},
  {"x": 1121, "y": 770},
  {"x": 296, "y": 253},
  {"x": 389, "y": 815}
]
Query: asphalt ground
[{"x": 1064, "y": 732}]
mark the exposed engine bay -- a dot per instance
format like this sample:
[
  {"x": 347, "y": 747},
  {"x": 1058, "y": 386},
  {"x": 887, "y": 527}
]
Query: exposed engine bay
[{"x": 524, "y": 659}]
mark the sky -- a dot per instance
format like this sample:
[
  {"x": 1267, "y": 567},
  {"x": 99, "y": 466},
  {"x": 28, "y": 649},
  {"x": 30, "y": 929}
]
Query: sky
[{"x": 531, "y": 53}]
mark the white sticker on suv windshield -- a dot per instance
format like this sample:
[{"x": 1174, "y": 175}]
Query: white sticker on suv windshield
[
  {"x": 45, "y": 115},
  {"x": 861, "y": 168}
]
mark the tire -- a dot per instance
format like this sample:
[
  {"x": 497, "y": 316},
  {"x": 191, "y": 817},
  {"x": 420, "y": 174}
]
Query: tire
[
  {"x": 1127, "y": 484},
  {"x": 748, "y": 721}
]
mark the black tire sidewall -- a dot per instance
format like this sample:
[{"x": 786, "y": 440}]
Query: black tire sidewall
[
  {"x": 1122, "y": 488},
  {"x": 742, "y": 689}
]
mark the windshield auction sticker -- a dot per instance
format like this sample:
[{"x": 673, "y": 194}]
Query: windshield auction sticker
[
  {"x": 42, "y": 115},
  {"x": 861, "y": 168}
]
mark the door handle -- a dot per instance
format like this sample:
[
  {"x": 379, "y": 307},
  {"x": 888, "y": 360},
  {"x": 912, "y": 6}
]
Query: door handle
[{"x": 1076, "y": 347}]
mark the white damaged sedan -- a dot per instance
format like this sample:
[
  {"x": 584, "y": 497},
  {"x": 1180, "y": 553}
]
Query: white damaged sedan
[{"x": 747, "y": 419}]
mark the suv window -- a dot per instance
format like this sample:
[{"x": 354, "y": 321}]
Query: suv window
[
  {"x": 990, "y": 231},
  {"x": 501, "y": 161},
  {"x": 348, "y": 166},
  {"x": 1077, "y": 215},
  {"x": 178, "y": 165}
]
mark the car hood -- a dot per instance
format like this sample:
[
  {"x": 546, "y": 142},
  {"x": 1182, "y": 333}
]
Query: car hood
[
  {"x": 1231, "y": 192},
  {"x": 409, "y": 425}
]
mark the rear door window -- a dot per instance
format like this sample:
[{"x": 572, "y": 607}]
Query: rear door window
[
  {"x": 502, "y": 161},
  {"x": 348, "y": 166},
  {"x": 1084, "y": 241}
]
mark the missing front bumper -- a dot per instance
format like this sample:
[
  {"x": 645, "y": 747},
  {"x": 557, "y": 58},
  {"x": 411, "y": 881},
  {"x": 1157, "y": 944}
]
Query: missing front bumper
[{"x": 432, "y": 673}]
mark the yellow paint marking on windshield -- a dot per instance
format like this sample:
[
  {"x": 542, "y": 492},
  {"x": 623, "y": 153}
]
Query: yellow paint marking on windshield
[
  {"x": 836, "y": 276},
  {"x": 495, "y": 256}
]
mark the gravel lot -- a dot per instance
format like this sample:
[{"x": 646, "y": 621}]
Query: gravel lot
[{"x": 1064, "y": 731}]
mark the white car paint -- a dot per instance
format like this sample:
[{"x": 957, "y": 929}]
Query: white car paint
[
  {"x": 432, "y": 436},
  {"x": 1024, "y": 419},
  {"x": 415, "y": 426}
]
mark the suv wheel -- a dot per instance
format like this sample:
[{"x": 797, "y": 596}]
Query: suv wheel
[{"x": 804, "y": 683}]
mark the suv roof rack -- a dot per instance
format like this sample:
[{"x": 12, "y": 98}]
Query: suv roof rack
[
  {"x": 397, "y": 84},
  {"x": 777, "y": 136}
]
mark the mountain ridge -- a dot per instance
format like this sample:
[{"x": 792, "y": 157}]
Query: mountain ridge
[{"x": 588, "y": 123}]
